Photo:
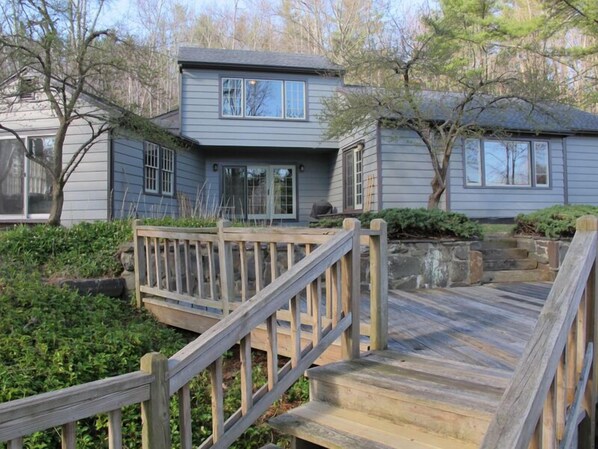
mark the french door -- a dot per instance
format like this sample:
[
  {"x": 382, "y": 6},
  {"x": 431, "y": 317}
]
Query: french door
[
  {"x": 25, "y": 186},
  {"x": 260, "y": 191}
]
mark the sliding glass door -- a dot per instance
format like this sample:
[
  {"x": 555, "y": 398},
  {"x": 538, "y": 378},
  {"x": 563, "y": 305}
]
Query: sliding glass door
[
  {"x": 259, "y": 192},
  {"x": 25, "y": 185}
]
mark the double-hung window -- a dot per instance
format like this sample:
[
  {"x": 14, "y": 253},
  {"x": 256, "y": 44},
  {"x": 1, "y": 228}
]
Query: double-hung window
[
  {"x": 158, "y": 170},
  {"x": 506, "y": 163},
  {"x": 353, "y": 177},
  {"x": 263, "y": 98}
]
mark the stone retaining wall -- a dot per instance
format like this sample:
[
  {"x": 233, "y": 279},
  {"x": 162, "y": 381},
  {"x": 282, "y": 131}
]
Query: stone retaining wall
[{"x": 549, "y": 253}]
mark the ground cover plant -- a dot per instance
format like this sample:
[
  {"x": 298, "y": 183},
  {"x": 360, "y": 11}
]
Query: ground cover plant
[
  {"x": 553, "y": 222},
  {"x": 53, "y": 338},
  {"x": 422, "y": 223}
]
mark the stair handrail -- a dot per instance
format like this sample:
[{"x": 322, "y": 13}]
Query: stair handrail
[
  {"x": 541, "y": 407},
  {"x": 341, "y": 253}
]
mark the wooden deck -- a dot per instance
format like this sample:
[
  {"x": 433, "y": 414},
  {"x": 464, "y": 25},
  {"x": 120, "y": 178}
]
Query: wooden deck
[{"x": 485, "y": 325}]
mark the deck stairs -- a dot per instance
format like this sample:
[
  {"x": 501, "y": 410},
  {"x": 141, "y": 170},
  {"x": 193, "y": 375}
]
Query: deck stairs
[
  {"x": 504, "y": 261},
  {"x": 392, "y": 400}
]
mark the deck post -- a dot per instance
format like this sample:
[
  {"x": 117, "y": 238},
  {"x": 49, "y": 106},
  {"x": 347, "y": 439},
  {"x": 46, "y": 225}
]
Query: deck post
[
  {"x": 155, "y": 414},
  {"x": 378, "y": 286},
  {"x": 225, "y": 257},
  {"x": 140, "y": 267},
  {"x": 350, "y": 270},
  {"x": 589, "y": 223}
]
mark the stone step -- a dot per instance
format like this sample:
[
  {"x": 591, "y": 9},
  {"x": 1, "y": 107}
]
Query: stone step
[
  {"x": 517, "y": 276},
  {"x": 505, "y": 253},
  {"x": 327, "y": 426},
  {"x": 510, "y": 264},
  {"x": 498, "y": 244},
  {"x": 448, "y": 398}
]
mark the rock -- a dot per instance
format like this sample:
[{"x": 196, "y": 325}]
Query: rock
[
  {"x": 476, "y": 267},
  {"x": 461, "y": 252},
  {"x": 401, "y": 266},
  {"x": 127, "y": 260},
  {"x": 406, "y": 283},
  {"x": 129, "y": 278},
  {"x": 459, "y": 272}
]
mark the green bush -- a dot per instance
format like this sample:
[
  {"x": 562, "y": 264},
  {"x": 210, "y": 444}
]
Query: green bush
[
  {"x": 83, "y": 250},
  {"x": 417, "y": 224},
  {"x": 553, "y": 222}
]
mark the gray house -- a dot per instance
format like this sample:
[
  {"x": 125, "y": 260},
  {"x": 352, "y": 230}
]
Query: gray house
[
  {"x": 256, "y": 150},
  {"x": 123, "y": 175}
]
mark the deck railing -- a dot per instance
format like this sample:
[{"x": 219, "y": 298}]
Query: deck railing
[
  {"x": 551, "y": 401},
  {"x": 335, "y": 259},
  {"x": 215, "y": 270}
]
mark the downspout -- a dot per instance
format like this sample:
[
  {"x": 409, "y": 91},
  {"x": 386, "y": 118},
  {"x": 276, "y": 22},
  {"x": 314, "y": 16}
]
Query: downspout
[
  {"x": 379, "y": 165},
  {"x": 565, "y": 172},
  {"x": 110, "y": 205}
]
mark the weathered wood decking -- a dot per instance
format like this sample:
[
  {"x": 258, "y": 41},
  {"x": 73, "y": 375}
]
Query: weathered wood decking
[{"x": 485, "y": 325}]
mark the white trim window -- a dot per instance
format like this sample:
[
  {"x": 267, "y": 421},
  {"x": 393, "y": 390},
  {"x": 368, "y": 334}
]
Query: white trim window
[
  {"x": 353, "y": 177},
  {"x": 506, "y": 163},
  {"x": 158, "y": 170},
  {"x": 263, "y": 98},
  {"x": 260, "y": 191}
]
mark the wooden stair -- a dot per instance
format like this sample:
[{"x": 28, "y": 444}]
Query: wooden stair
[
  {"x": 392, "y": 400},
  {"x": 504, "y": 261}
]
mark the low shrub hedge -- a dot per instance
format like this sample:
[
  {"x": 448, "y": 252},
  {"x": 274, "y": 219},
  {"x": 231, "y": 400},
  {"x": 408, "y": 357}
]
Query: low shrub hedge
[
  {"x": 553, "y": 222},
  {"x": 417, "y": 224}
]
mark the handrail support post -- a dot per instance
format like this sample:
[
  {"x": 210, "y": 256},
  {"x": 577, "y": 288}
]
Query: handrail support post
[
  {"x": 155, "y": 413},
  {"x": 351, "y": 270},
  {"x": 378, "y": 286},
  {"x": 225, "y": 256},
  {"x": 139, "y": 250}
]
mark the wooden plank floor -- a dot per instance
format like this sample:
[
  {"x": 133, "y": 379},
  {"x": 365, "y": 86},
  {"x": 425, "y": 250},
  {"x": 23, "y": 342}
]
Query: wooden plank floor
[{"x": 485, "y": 325}]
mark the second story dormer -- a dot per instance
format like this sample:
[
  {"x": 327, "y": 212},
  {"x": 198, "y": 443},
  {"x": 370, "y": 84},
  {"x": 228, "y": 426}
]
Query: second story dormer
[{"x": 238, "y": 98}]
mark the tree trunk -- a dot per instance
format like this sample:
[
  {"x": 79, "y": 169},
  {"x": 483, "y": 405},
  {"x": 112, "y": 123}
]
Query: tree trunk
[
  {"x": 57, "y": 203},
  {"x": 438, "y": 188}
]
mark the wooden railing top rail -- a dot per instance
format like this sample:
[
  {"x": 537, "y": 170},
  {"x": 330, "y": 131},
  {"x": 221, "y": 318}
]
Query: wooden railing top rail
[
  {"x": 202, "y": 352},
  {"x": 36, "y": 413},
  {"x": 522, "y": 404}
]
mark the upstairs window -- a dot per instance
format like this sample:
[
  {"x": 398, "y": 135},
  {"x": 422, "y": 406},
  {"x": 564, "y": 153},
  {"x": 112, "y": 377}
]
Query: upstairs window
[
  {"x": 516, "y": 163},
  {"x": 158, "y": 170},
  {"x": 263, "y": 98}
]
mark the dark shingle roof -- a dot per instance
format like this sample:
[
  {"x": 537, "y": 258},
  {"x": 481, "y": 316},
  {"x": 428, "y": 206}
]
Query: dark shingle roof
[
  {"x": 507, "y": 114},
  {"x": 256, "y": 60}
]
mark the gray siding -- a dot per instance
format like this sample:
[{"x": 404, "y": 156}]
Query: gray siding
[
  {"x": 582, "y": 169},
  {"x": 86, "y": 192},
  {"x": 200, "y": 114},
  {"x": 406, "y": 169},
  {"x": 312, "y": 183},
  {"x": 129, "y": 200},
  {"x": 370, "y": 167},
  {"x": 506, "y": 202}
]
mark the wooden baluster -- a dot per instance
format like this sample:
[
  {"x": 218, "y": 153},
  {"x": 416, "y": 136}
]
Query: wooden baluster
[
  {"x": 273, "y": 261},
  {"x": 158, "y": 265},
  {"x": 580, "y": 334},
  {"x": 272, "y": 351},
  {"x": 350, "y": 263},
  {"x": 335, "y": 293},
  {"x": 560, "y": 405},
  {"x": 178, "y": 269},
  {"x": 167, "y": 263},
  {"x": 536, "y": 437},
  {"x": 211, "y": 271},
  {"x": 244, "y": 275},
  {"x": 548, "y": 433},
  {"x": 295, "y": 306},
  {"x": 115, "y": 429},
  {"x": 308, "y": 292},
  {"x": 217, "y": 400},
  {"x": 258, "y": 259},
  {"x": 315, "y": 295},
  {"x": 69, "y": 436},
  {"x": 200, "y": 271},
  {"x": 327, "y": 296},
  {"x": 570, "y": 365},
  {"x": 188, "y": 267},
  {"x": 225, "y": 256},
  {"x": 290, "y": 255},
  {"x": 17, "y": 443},
  {"x": 185, "y": 417},
  {"x": 246, "y": 377},
  {"x": 148, "y": 266}
]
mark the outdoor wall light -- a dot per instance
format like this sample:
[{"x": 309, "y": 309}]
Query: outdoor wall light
[
  {"x": 215, "y": 167},
  {"x": 301, "y": 168}
]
